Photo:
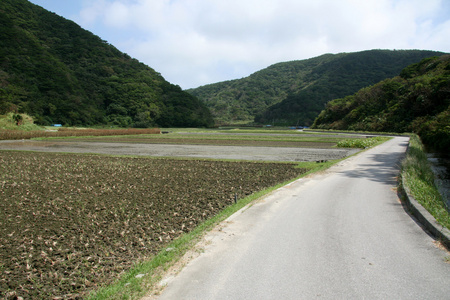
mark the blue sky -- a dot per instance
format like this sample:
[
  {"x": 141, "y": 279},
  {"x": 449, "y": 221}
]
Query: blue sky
[{"x": 197, "y": 42}]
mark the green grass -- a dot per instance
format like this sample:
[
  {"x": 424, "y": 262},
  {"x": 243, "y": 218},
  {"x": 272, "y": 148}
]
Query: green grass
[
  {"x": 362, "y": 143},
  {"x": 7, "y": 122},
  {"x": 419, "y": 179}
]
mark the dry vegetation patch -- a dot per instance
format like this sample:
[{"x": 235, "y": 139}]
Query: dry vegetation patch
[
  {"x": 6, "y": 134},
  {"x": 69, "y": 223}
]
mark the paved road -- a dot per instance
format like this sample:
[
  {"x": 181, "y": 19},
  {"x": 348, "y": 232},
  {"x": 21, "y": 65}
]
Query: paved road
[{"x": 338, "y": 235}]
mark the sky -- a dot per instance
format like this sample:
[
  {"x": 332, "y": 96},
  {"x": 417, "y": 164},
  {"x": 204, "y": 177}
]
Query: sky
[{"x": 197, "y": 42}]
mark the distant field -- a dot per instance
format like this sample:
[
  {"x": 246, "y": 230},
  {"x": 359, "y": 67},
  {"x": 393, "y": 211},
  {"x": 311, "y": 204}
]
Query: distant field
[
  {"x": 268, "y": 138},
  {"x": 222, "y": 152},
  {"x": 214, "y": 141}
]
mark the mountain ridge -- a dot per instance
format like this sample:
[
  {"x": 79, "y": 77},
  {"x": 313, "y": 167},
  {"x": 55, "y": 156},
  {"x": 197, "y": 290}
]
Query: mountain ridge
[
  {"x": 57, "y": 72},
  {"x": 417, "y": 100},
  {"x": 296, "y": 91}
]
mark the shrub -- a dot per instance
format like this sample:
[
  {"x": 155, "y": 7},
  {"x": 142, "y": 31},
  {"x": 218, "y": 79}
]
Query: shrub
[{"x": 361, "y": 143}]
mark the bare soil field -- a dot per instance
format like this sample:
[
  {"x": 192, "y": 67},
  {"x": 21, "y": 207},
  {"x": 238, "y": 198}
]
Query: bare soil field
[{"x": 70, "y": 223}]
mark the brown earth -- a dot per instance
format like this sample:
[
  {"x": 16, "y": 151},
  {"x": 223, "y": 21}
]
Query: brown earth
[{"x": 71, "y": 223}]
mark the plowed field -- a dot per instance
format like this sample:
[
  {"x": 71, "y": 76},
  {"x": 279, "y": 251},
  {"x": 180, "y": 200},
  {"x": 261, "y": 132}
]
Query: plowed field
[{"x": 69, "y": 223}]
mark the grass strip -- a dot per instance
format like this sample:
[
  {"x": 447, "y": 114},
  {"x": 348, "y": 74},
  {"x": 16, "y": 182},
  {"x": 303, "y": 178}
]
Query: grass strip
[{"x": 419, "y": 178}]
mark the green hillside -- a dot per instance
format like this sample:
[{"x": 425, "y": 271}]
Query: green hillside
[
  {"x": 295, "y": 92},
  {"x": 418, "y": 100},
  {"x": 57, "y": 72}
]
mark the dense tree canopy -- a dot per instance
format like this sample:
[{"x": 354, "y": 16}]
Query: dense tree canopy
[
  {"x": 418, "y": 100},
  {"x": 58, "y": 72},
  {"x": 295, "y": 92}
]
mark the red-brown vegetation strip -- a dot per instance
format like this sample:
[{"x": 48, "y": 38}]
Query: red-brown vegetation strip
[
  {"x": 69, "y": 223},
  {"x": 66, "y": 132}
]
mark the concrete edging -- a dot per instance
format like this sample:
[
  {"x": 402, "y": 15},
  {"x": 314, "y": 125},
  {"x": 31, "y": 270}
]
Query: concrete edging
[{"x": 425, "y": 218}]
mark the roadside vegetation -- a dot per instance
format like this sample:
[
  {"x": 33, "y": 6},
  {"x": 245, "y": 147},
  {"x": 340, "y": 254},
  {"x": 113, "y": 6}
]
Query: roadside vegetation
[
  {"x": 362, "y": 143},
  {"x": 419, "y": 179}
]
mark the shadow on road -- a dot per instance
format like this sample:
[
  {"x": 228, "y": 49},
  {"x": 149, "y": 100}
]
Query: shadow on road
[{"x": 383, "y": 168}]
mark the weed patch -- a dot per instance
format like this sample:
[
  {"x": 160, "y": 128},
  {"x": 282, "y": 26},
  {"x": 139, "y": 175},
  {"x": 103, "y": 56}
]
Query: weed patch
[
  {"x": 362, "y": 143},
  {"x": 6, "y": 134}
]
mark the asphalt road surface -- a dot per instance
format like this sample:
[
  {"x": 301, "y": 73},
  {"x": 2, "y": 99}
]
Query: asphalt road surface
[{"x": 342, "y": 234}]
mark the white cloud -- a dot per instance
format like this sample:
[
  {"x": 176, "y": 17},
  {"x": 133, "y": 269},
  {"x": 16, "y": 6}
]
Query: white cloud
[
  {"x": 118, "y": 15},
  {"x": 90, "y": 14},
  {"x": 195, "y": 42}
]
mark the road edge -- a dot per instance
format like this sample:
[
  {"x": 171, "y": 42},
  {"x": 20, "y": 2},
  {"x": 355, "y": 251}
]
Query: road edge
[{"x": 440, "y": 232}]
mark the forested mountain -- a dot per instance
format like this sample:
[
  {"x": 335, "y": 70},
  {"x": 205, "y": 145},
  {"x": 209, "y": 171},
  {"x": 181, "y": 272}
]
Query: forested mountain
[
  {"x": 295, "y": 92},
  {"x": 58, "y": 72},
  {"x": 418, "y": 100}
]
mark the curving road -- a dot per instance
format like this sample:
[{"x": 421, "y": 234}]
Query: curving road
[{"x": 342, "y": 234}]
